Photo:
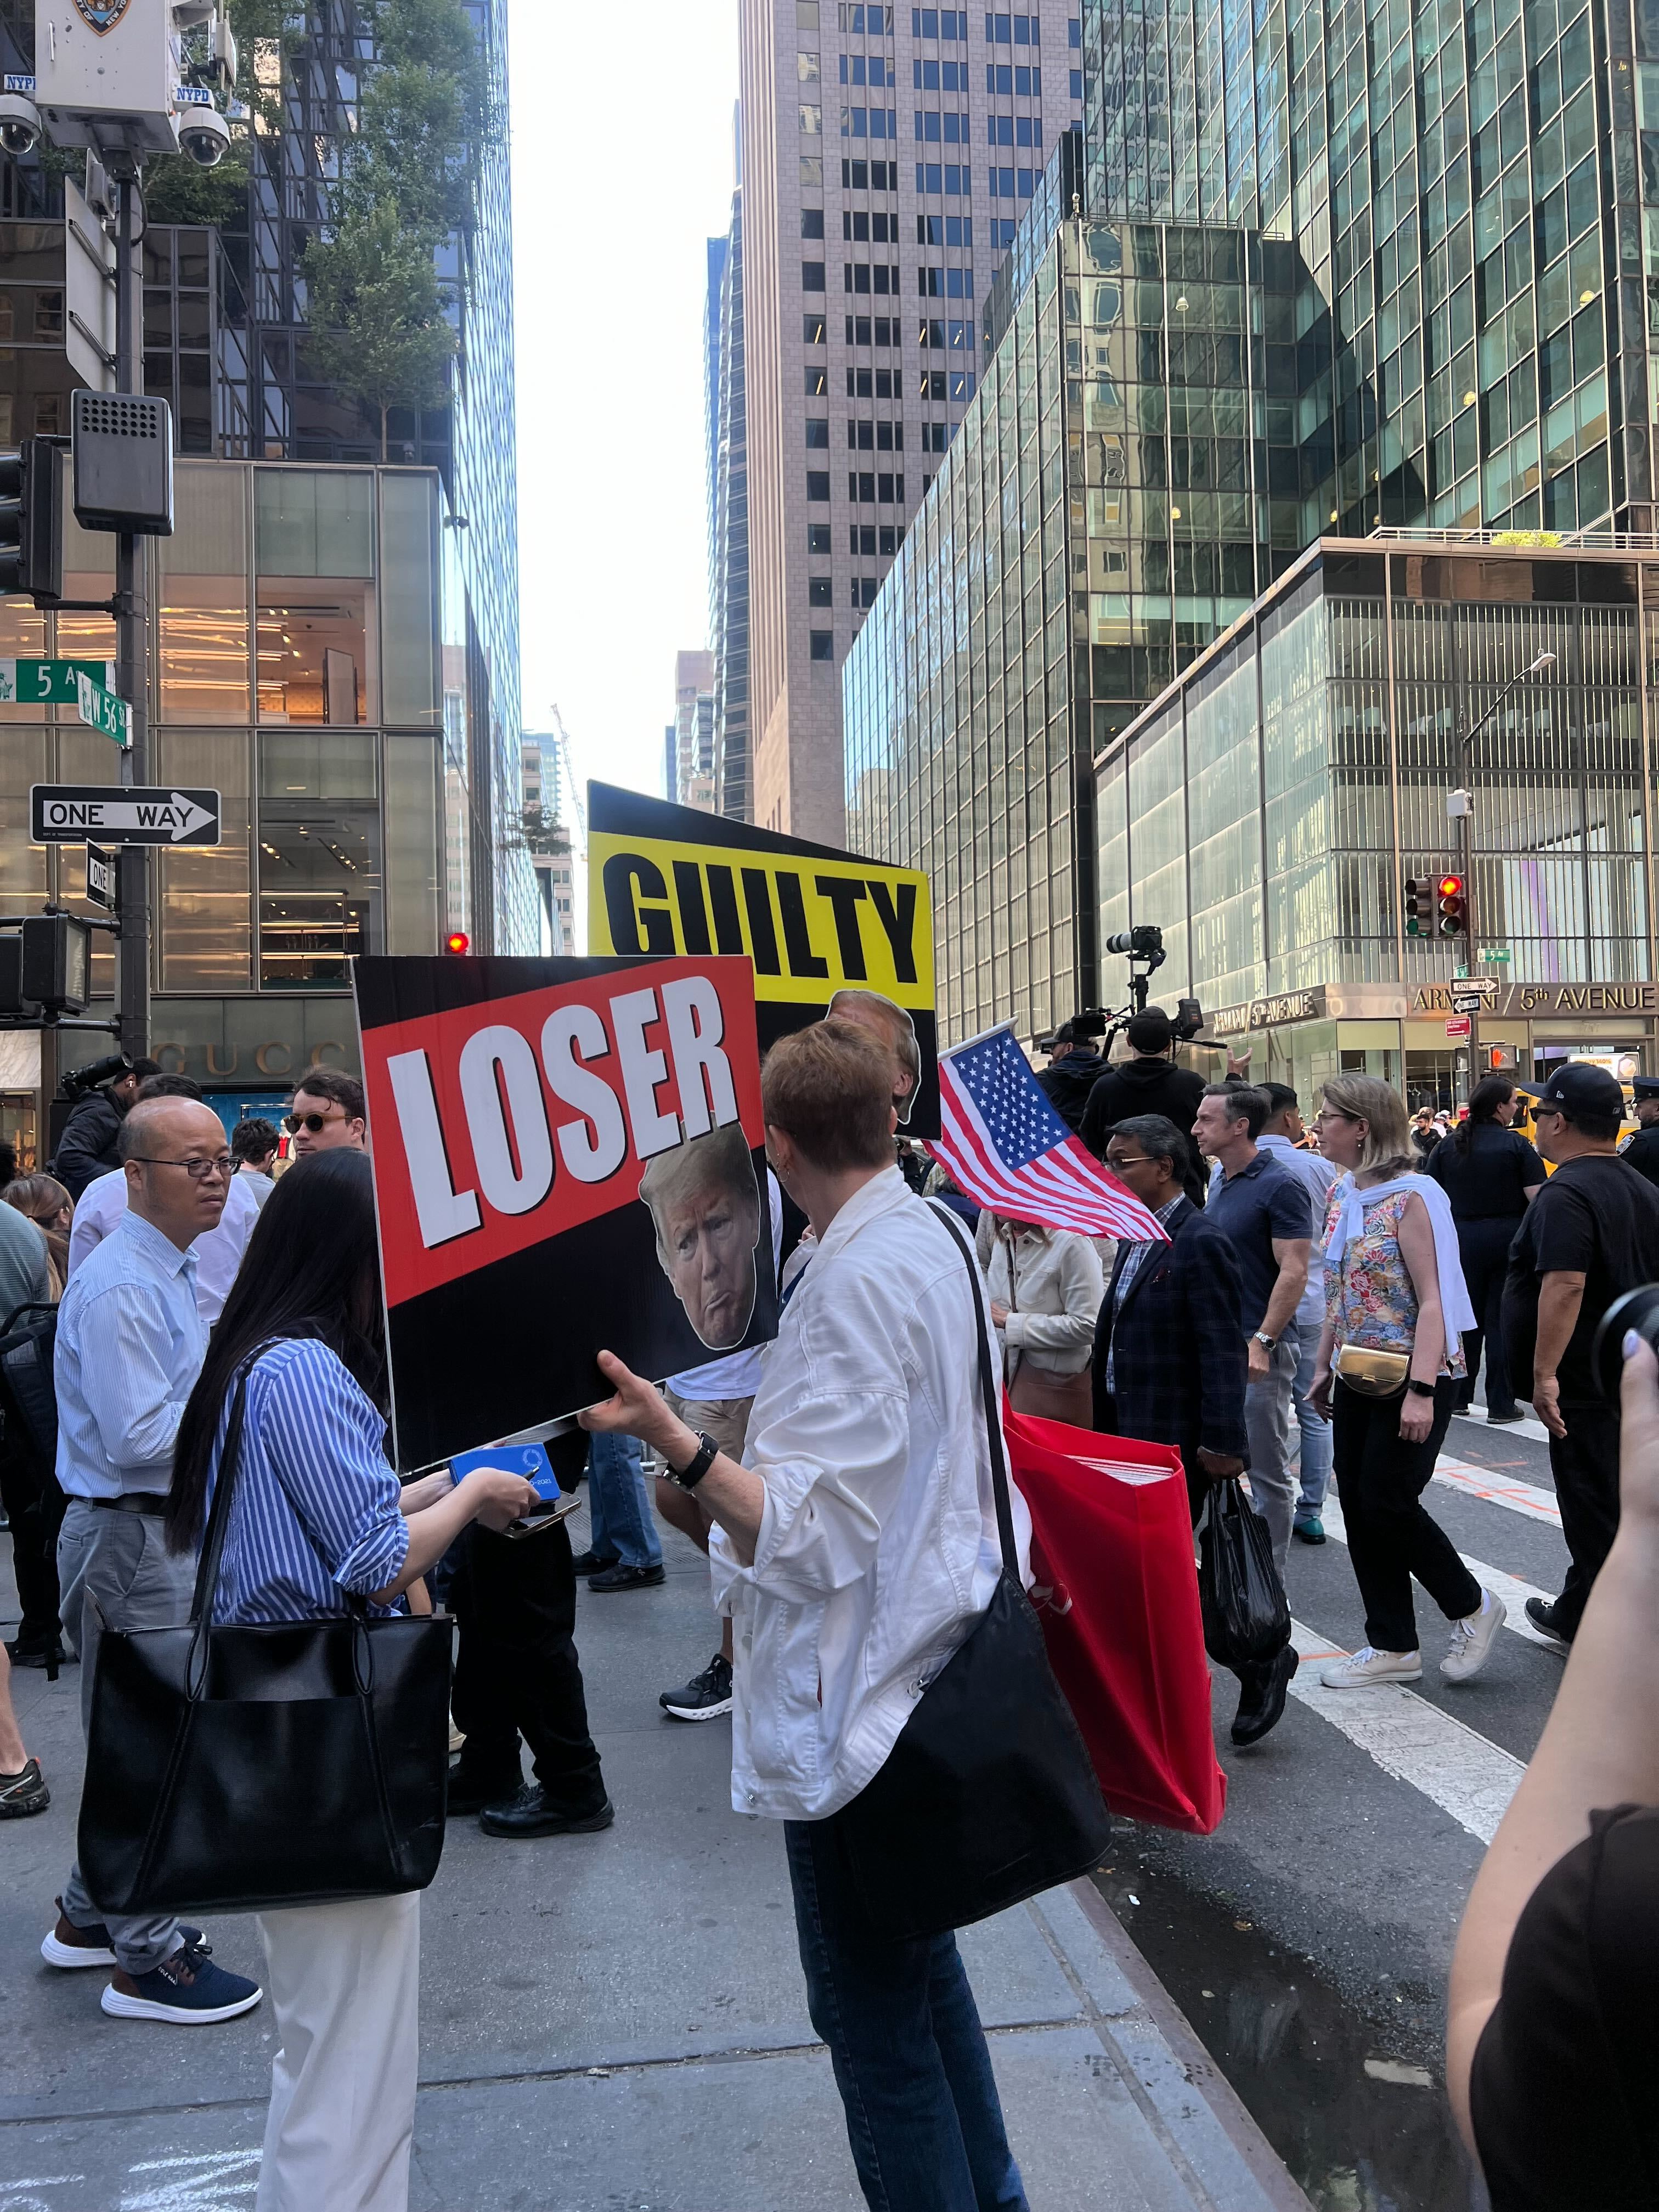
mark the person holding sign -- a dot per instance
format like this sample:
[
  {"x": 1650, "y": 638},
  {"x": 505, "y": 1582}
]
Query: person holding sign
[{"x": 856, "y": 1550}]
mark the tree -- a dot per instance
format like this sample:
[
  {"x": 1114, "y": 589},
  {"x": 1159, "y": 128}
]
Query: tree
[{"x": 378, "y": 312}]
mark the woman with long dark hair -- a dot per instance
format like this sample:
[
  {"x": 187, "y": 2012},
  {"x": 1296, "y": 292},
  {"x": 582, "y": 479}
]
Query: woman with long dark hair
[
  {"x": 317, "y": 1517},
  {"x": 1492, "y": 1174}
]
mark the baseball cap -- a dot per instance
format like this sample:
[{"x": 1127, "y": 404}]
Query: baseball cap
[
  {"x": 1150, "y": 1031},
  {"x": 1580, "y": 1088}
]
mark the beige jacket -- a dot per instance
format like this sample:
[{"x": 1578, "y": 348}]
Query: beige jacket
[{"x": 1051, "y": 1283}]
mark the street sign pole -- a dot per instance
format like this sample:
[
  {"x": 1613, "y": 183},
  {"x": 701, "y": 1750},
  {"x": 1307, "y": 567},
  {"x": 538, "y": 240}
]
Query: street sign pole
[{"x": 131, "y": 677}]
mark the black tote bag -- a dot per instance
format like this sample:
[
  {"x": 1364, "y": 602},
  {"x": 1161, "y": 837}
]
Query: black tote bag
[
  {"x": 246, "y": 1769},
  {"x": 1247, "y": 1616},
  {"x": 989, "y": 1796}
]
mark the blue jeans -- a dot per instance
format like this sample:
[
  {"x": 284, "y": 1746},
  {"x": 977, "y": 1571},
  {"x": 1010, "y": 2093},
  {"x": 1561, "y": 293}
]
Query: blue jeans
[
  {"x": 1315, "y": 1476},
  {"x": 619, "y": 1513},
  {"x": 923, "y": 2116}
]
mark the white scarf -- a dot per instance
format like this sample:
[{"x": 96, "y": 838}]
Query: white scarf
[{"x": 1456, "y": 1308}]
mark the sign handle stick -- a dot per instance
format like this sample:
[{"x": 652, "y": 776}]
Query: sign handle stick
[{"x": 132, "y": 680}]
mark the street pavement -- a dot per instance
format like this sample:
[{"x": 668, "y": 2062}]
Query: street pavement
[{"x": 612, "y": 2023}]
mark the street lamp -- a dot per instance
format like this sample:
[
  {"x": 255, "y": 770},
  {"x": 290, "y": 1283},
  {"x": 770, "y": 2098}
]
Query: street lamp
[{"x": 1460, "y": 806}]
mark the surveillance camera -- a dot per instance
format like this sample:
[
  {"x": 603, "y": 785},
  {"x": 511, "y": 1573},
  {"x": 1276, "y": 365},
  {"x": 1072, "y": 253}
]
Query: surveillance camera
[
  {"x": 20, "y": 124},
  {"x": 204, "y": 136}
]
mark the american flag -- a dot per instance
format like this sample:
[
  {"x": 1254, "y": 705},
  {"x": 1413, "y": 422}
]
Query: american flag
[{"x": 1007, "y": 1146}]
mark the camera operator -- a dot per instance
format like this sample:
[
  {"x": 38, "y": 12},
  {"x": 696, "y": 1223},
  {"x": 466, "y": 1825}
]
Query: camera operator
[
  {"x": 1148, "y": 1082},
  {"x": 1074, "y": 1065},
  {"x": 1591, "y": 1234},
  {"x": 92, "y": 1134}
]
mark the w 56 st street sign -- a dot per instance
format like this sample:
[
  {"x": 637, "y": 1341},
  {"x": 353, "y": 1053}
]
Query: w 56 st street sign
[{"x": 68, "y": 813}]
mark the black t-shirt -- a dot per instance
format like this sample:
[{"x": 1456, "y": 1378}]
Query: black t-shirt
[
  {"x": 1490, "y": 1180},
  {"x": 1564, "y": 2087},
  {"x": 1595, "y": 1217}
]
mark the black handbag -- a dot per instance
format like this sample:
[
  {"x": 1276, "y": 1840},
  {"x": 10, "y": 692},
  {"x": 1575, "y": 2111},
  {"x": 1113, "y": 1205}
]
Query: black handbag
[
  {"x": 247, "y": 1769},
  {"x": 1247, "y": 1616},
  {"x": 989, "y": 1796}
]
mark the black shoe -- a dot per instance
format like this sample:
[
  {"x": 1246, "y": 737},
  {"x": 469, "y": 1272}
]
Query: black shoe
[
  {"x": 1261, "y": 1697},
  {"x": 529, "y": 1813},
  {"x": 595, "y": 1563},
  {"x": 1541, "y": 1614},
  {"x": 620, "y": 1577},
  {"x": 52, "y": 1656},
  {"x": 705, "y": 1697},
  {"x": 467, "y": 1794},
  {"x": 1502, "y": 1420},
  {"x": 24, "y": 1792}
]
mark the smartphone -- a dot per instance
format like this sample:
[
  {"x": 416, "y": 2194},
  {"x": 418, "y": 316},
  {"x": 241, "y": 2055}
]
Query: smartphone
[{"x": 531, "y": 1461}]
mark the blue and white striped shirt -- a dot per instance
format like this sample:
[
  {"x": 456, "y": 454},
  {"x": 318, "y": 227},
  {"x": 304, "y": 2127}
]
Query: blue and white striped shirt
[
  {"x": 130, "y": 1346},
  {"x": 316, "y": 1510}
]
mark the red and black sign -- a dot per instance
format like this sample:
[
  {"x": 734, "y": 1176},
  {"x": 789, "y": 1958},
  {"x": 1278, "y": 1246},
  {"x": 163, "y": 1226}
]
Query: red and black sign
[{"x": 567, "y": 1158}]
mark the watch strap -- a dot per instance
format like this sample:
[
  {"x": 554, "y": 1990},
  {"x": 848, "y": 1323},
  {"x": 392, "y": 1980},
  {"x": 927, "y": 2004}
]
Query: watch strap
[
  {"x": 702, "y": 1459},
  {"x": 1420, "y": 1389}
]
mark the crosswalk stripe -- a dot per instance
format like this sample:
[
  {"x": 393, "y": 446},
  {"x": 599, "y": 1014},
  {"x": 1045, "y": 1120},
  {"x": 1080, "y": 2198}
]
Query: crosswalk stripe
[
  {"x": 1513, "y": 1592},
  {"x": 1499, "y": 1490},
  {"x": 1415, "y": 1741},
  {"x": 1527, "y": 1425}
]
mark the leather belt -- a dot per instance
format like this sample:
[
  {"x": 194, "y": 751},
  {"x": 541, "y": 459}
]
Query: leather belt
[{"x": 134, "y": 1501}]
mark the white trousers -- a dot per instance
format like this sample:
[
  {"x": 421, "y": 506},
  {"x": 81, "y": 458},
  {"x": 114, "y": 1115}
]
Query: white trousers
[{"x": 345, "y": 1982}]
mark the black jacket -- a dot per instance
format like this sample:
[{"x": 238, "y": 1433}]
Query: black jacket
[
  {"x": 1643, "y": 1153},
  {"x": 1067, "y": 1083},
  {"x": 87, "y": 1148},
  {"x": 1146, "y": 1087},
  {"x": 1179, "y": 1361}
]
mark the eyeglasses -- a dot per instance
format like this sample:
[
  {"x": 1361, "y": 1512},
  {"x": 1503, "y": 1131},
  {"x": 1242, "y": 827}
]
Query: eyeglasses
[
  {"x": 295, "y": 1122},
  {"x": 197, "y": 1171},
  {"x": 1141, "y": 1160}
]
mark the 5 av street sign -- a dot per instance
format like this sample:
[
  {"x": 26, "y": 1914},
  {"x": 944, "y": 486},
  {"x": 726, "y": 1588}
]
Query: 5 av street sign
[
  {"x": 50, "y": 682},
  {"x": 68, "y": 814}
]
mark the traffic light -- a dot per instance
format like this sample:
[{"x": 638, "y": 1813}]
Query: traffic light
[
  {"x": 32, "y": 521},
  {"x": 1416, "y": 906},
  {"x": 1454, "y": 906},
  {"x": 458, "y": 941}
]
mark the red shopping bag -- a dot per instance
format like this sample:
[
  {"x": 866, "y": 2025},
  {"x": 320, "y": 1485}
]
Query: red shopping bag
[{"x": 1117, "y": 1591}]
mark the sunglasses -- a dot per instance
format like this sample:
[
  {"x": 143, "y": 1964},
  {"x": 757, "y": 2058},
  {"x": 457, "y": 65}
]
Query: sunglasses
[{"x": 295, "y": 1122}]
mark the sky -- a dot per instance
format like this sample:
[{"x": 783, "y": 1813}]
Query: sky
[{"x": 622, "y": 121}]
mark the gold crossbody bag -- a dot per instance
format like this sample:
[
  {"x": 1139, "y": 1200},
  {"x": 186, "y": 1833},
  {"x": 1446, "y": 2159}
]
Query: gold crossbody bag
[{"x": 1373, "y": 1373}]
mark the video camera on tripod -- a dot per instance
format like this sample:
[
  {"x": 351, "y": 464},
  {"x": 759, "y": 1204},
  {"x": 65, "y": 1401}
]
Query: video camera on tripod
[{"x": 1143, "y": 948}]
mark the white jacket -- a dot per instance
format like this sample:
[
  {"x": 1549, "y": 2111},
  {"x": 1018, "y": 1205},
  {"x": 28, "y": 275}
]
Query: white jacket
[
  {"x": 1054, "y": 1299},
  {"x": 877, "y": 1548}
]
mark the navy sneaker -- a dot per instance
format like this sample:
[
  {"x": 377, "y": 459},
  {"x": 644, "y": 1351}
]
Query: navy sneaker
[{"x": 187, "y": 1987}]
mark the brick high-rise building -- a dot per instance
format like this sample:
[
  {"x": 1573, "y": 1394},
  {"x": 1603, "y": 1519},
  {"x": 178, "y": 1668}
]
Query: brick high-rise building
[{"x": 887, "y": 154}]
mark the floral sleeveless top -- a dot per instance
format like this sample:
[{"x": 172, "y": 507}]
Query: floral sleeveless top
[{"x": 1369, "y": 1298}]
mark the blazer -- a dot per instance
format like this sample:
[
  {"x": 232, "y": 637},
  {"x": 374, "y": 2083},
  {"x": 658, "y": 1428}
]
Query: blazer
[{"x": 1180, "y": 1362}]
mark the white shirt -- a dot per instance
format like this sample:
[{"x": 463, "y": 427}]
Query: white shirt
[
  {"x": 877, "y": 1548},
  {"x": 217, "y": 1251},
  {"x": 737, "y": 1375},
  {"x": 131, "y": 1341},
  {"x": 1321, "y": 1177}
]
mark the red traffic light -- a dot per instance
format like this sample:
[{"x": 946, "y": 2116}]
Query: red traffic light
[
  {"x": 1451, "y": 887},
  {"x": 1454, "y": 906},
  {"x": 458, "y": 941}
]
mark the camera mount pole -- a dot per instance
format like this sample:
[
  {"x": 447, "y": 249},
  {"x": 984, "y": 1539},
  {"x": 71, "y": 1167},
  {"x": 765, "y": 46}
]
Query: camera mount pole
[{"x": 131, "y": 667}]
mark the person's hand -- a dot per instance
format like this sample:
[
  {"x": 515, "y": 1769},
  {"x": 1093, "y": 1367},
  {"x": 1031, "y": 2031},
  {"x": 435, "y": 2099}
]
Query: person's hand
[
  {"x": 1238, "y": 1062},
  {"x": 1218, "y": 1465},
  {"x": 1639, "y": 1433},
  {"x": 1260, "y": 1359},
  {"x": 1319, "y": 1392},
  {"x": 999, "y": 1313},
  {"x": 1416, "y": 1417},
  {"x": 499, "y": 1497},
  {"x": 638, "y": 1409},
  {"x": 1546, "y": 1403}
]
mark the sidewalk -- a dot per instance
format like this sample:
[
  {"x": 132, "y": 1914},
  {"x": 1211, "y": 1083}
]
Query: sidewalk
[{"x": 611, "y": 2023}]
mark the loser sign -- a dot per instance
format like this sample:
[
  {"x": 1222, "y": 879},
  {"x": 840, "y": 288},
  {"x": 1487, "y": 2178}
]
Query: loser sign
[{"x": 567, "y": 1158}]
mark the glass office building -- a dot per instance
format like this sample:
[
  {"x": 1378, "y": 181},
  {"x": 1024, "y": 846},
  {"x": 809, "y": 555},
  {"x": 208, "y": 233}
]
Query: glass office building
[
  {"x": 1103, "y": 512},
  {"x": 312, "y": 649},
  {"x": 1266, "y": 811},
  {"x": 1473, "y": 189}
]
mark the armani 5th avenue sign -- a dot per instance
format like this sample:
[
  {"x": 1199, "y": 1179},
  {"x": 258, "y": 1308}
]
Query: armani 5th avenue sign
[{"x": 102, "y": 14}]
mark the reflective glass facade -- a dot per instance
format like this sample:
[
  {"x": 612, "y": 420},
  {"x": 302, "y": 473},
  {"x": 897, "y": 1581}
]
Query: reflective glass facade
[
  {"x": 728, "y": 523},
  {"x": 1477, "y": 212}
]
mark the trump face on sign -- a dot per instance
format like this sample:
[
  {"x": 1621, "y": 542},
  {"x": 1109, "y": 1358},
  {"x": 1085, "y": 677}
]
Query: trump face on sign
[{"x": 705, "y": 1204}]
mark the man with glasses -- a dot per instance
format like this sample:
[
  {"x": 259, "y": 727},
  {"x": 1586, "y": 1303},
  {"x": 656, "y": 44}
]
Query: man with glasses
[
  {"x": 328, "y": 1109},
  {"x": 131, "y": 1341},
  {"x": 218, "y": 1251}
]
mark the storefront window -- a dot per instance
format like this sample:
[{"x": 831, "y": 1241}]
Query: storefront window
[
  {"x": 315, "y": 548},
  {"x": 203, "y": 598},
  {"x": 408, "y": 612},
  {"x": 319, "y": 859},
  {"x": 206, "y": 924}
]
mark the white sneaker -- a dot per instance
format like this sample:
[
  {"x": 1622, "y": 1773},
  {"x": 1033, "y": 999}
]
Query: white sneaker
[
  {"x": 1363, "y": 1668},
  {"x": 1473, "y": 1640}
]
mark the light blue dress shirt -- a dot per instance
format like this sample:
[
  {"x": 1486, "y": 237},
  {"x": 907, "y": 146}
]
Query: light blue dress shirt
[{"x": 130, "y": 1346}]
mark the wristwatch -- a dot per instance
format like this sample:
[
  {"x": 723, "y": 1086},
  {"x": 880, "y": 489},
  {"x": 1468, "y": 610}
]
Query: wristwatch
[
  {"x": 1420, "y": 1389},
  {"x": 702, "y": 1459},
  {"x": 1266, "y": 1341}
]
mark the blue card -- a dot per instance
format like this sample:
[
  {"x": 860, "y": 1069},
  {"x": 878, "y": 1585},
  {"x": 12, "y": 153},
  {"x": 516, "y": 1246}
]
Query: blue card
[{"x": 530, "y": 1461}]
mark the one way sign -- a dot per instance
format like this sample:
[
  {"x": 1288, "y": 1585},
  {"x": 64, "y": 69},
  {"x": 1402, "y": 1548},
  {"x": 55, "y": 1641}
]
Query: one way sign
[{"x": 68, "y": 814}]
